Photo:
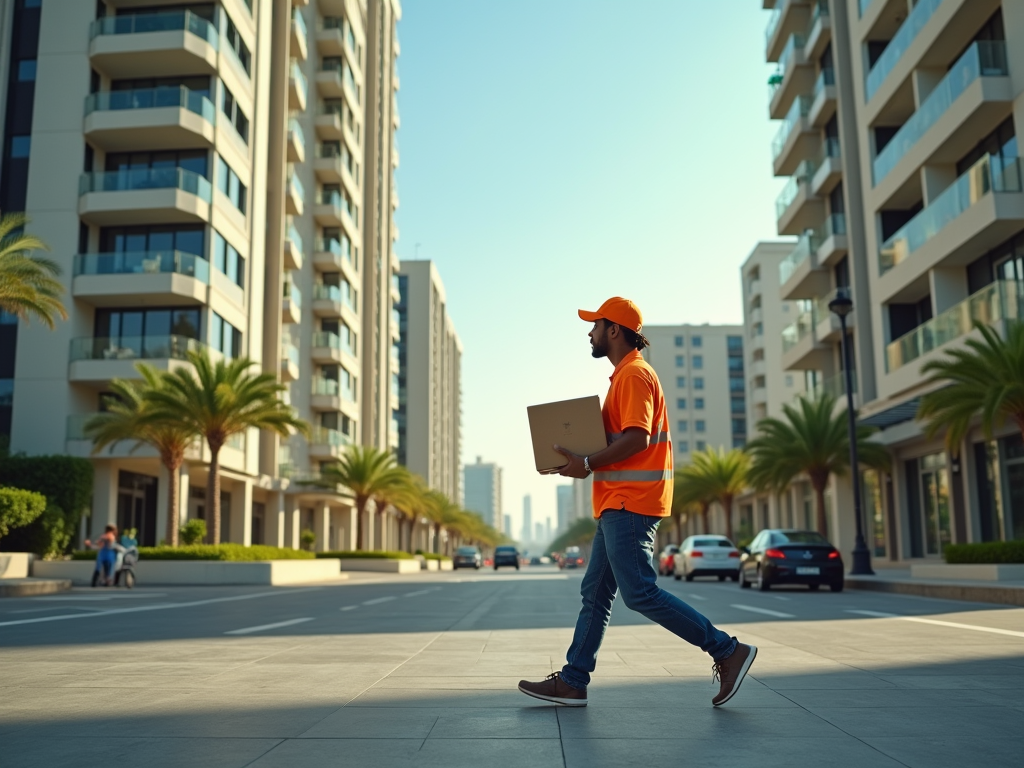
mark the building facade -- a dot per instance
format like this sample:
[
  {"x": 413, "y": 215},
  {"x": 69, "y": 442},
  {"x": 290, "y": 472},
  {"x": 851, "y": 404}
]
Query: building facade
[
  {"x": 429, "y": 415},
  {"x": 481, "y": 484},
  {"x": 702, "y": 371},
  {"x": 226, "y": 185},
  {"x": 564, "y": 506},
  {"x": 905, "y": 189}
]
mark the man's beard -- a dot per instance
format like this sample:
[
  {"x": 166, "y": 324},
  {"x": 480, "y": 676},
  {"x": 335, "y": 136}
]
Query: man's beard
[{"x": 599, "y": 348}]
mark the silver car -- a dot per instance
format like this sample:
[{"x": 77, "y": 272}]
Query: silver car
[{"x": 707, "y": 556}]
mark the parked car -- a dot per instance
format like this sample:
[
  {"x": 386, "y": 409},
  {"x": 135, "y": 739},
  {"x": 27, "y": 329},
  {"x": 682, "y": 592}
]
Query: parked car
[
  {"x": 545, "y": 560},
  {"x": 467, "y": 557},
  {"x": 667, "y": 560},
  {"x": 707, "y": 556},
  {"x": 571, "y": 558},
  {"x": 506, "y": 556},
  {"x": 786, "y": 556}
]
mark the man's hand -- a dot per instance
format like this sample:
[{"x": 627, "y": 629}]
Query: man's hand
[{"x": 574, "y": 467}]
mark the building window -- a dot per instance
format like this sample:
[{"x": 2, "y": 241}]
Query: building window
[
  {"x": 680, "y": 381},
  {"x": 680, "y": 361},
  {"x": 697, "y": 361},
  {"x": 224, "y": 337},
  {"x": 737, "y": 405},
  {"x": 679, "y": 341},
  {"x": 230, "y": 185},
  {"x": 698, "y": 382},
  {"x": 734, "y": 342},
  {"x": 684, "y": 446},
  {"x": 235, "y": 116},
  {"x": 26, "y": 70},
  {"x": 696, "y": 341},
  {"x": 699, "y": 425},
  {"x": 736, "y": 384},
  {"x": 739, "y": 426},
  {"x": 736, "y": 364},
  {"x": 698, "y": 403},
  {"x": 739, "y": 442},
  {"x": 228, "y": 260},
  {"x": 681, "y": 403},
  {"x": 682, "y": 426},
  {"x": 236, "y": 45},
  {"x": 701, "y": 445},
  {"x": 789, "y": 380}
]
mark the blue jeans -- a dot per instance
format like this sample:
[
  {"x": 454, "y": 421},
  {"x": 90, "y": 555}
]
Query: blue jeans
[{"x": 621, "y": 559}]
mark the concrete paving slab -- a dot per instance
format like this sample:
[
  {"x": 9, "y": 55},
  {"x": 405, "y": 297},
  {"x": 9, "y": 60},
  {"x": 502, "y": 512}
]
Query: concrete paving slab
[{"x": 62, "y": 752}]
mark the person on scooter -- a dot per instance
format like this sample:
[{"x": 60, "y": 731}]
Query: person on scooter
[{"x": 107, "y": 556}]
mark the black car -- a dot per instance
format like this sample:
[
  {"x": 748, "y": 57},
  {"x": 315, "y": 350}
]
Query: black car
[
  {"x": 506, "y": 556},
  {"x": 467, "y": 557},
  {"x": 786, "y": 556}
]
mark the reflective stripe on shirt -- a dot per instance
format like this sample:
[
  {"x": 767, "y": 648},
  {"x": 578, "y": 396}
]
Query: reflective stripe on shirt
[
  {"x": 634, "y": 476},
  {"x": 661, "y": 437}
]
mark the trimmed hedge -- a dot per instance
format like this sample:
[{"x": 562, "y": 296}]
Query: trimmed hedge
[
  {"x": 66, "y": 482},
  {"x": 235, "y": 553},
  {"x": 432, "y": 556},
  {"x": 989, "y": 552},
  {"x": 367, "y": 555}
]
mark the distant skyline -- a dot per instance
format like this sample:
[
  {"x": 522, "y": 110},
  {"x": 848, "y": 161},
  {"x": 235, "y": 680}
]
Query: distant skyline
[{"x": 556, "y": 153}]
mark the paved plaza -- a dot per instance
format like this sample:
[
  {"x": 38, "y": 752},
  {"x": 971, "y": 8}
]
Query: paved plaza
[{"x": 422, "y": 671}]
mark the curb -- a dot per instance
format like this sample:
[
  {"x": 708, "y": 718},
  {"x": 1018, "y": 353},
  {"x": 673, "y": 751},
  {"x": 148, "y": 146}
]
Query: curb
[
  {"x": 32, "y": 587},
  {"x": 977, "y": 593}
]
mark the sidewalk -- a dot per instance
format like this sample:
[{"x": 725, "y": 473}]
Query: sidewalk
[
  {"x": 29, "y": 587},
  {"x": 899, "y": 581}
]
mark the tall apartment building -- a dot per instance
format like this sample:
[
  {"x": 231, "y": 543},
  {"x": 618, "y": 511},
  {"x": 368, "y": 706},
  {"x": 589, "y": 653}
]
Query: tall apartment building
[
  {"x": 481, "y": 484},
  {"x": 218, "y": 176},
  {"x": 898, "y": 134},
  {"x": 527, "y": 533},
  {"x": 564, "y": 506},
  {"x": 701, "y": 370},
  {"x": 429, "y": 381}
]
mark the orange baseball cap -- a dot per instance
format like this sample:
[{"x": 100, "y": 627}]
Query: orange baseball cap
[{"x": 619, "y": 310}]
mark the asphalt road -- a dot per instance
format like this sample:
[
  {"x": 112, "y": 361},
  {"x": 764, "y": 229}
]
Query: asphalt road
[{"x": 422, "y": 670}]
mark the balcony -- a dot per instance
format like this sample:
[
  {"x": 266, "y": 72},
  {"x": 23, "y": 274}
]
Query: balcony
[
  {"x": 153, "y": 277},
  {"x": 150, "y": 118},
  {"x": 295, "y": 195},
  {"x": 978, "y": 211},
  {"x": 331, "y": 164},
  {"x": 905, "y": 35},
  {"x": 823, "y": 98},
  {"x": 292, "y": 248},
  {"x": 331, "y": 302},
  {"x": 795, "y": 75},
  {"x": 332, "y": 256},
  {"x": 832, "y": 240},
  {"x": 800, "y": 348},
  {"x": 299, "y": 37},
  {"x": 796, "y": 140},
  {"x": 833, "y": 385},
  {"x": 330, "y": 349},
  {"x": 291, "y": 304},
  {"x": 797, "y": 208},
  {"x": 289, "y": 362},
  {"x": 144, "y": 196},
  {"x": 787, "y": 18},
  {"x": 800, "y": 274},
  {"x": 827, "y": 168},
  {"x": 329, "y": 120},
  {"x": 329, "y": 81},
  {"x": 333, "y": 210},
  {"x": 325, "y": 443},
  {"x": 98, "y": 360},
  {"x": 827, "y": 327},
  {"x": 996, "y": 303},
  {"x": 161, "y": 44},
  {"x": 296, "y": 142},
  {"x": 298, "y": 88},
  {"x": 977, "y": 78},
  {"x": 819, "y": 30},
  {"x": 330, "y": 40},
  {"x": 331, "y": 395}
]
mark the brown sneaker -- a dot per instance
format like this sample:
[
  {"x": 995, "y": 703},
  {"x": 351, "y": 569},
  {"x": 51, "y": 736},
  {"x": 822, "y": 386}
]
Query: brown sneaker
[
  {"x": 552, "y": 688},
  {"x": 731, "y": 671}
]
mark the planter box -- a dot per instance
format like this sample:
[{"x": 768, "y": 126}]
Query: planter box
[
  {"x": 379, "y": 565},
  {"x": 969, "y": 571},
  {"x": 15, "y": 565},
  {"x": 445, "y": 565},
  {"x": 200, "y": 572}
]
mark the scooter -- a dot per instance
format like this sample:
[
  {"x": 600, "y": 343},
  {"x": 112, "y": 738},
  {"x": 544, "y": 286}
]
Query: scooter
[{"x": 124, "y": 568}]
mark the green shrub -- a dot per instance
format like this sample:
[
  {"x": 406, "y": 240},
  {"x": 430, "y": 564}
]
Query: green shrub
[
  {"x": 986, "y": 553},
  {"x": 307, "y": 539},
  {"x": 66, "y": 482},
  {"x": 192, "y": 532},
  {"x": 368, "y": 555},
  {"x": 18, "y": 508},
  {"x": 235, "y": 553},
  {"x": 432, "y": 556}
]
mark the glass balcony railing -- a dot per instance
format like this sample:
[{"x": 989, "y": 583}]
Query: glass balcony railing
[
  {"x": 820, "y": 306},
  {"x": 826, "y": 77},
  {"x": 864, "y": 5},
  {"x": 156, "y": 347},
  {"x": 802, "y": 251},
  {"x": 341, "y": 250},
  {"x": 152, "y": 98},
  {"x": 142, "y": 263},
  {"x": 801, "y": 106},
  {"x": 296, "y": 187},
  {"x": 166, "y": 21},
  {"x": 820, "y": 9},
  {"x": 300, "y": 24},
  {"x": 293, "y": 294},
  {"x": 835, "y": 224},
  {"x": 295, "y": 133},
  {"x": 790, "y": 191},
  {"x": 990, "y": 174},
  {"x": 1002, "y": 300},
  {"x": 803, "y": 327},
  {"x": 300, "y": 79},
  {"x": 331, "y": 107},
  {"x": 291, "y": 353},
  {"x": 985, "y": 58},
  {"x": 833, "y": 385},
  {"x": 350, "y": 80},
  {"x": 136, "y": 179},
  {"x": 335, "y": 199},
  {"x": 795, "y": 44},
  {"x": 331, "y": 340},
  {"x": 893, "y": 52},
  {"x": 334, "y": 294},
  {"x": 334, "y": 438},
  {"x": 294, "y": 237},
  {"x": 773, "y": 20}
]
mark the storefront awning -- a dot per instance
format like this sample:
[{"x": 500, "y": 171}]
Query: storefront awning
[{"x": 893, "y": 416}]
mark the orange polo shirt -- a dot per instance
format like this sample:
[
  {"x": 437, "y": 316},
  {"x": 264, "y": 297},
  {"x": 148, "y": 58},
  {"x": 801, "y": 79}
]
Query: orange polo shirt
[{"x": 643, "y": 482}]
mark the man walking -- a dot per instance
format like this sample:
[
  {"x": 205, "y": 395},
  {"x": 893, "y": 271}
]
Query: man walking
[{"x": 632, "y": 493}]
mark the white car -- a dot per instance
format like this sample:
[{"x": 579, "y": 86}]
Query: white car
[{"x": 707, "y": 556}]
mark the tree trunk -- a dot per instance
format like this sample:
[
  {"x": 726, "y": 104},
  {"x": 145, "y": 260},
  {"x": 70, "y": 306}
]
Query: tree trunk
[
  {"x": 679, "y": 530},
  {"x": 819, "y": 495},
  {"x": 726, "y": 502},
  {"x": 360, "y": 527},
  {"x": 172, "y": 465},
  {"x": 704, "y": 507},
  {"x": 213, "y": 494}
]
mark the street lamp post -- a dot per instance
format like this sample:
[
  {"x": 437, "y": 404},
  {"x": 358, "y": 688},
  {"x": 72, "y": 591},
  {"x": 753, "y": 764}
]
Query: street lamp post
[{"x": 842, "y": 306}]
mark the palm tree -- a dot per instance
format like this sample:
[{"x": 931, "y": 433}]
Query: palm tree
[
  {"x": 28, "y": 284},
  {"x": 220, "y": 400},
  {"x": 692, "y": 489},
  {"x": 125, "y": 419},
  {"x": 721, "y": 476},
  {"x": 987, "y": 378},
  {"x": 368, "y": 473},
  {"x": 812, "y": 440},
  {"x": 441, "y": 513}
]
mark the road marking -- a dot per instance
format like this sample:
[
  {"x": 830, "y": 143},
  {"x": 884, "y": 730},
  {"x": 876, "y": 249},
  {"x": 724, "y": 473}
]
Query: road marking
[
  {"x": 780, "y": 597},
  {"x": 349, "y": 607},
  {"x": 101, "y": 597},
  {"x": 158, "y": 607},
  {"x": 56, "y": 608},
  {"x": 765, "y": 611},
  {"x": 250, "y": 630},
  {"x": 696, "y": 597},
  {"x": 939, "y": 623},
  {"x": 378, "y": 600},
  {"x": 421, "y": 592}
]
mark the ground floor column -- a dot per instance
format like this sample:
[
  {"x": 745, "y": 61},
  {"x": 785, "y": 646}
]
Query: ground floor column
[
  {"x": 104, "y": 498},
  {"x": 241, "y": 513},
  {"x": 322, "y": 526},
  {"x": 275, "y": 519}
]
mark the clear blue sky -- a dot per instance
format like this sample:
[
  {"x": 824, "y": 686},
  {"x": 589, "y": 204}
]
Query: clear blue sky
[{"x": 558, "y": 152}]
